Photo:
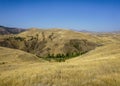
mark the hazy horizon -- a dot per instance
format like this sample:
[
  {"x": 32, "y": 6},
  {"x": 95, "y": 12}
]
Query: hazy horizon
[{"x": 89, "y": 15}]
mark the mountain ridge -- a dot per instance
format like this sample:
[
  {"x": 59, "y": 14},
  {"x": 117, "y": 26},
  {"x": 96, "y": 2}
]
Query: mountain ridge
[{"x": 10, "y": 30}]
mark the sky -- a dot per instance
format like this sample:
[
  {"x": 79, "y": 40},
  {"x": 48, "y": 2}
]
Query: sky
[{"x": 90, "y": 15}]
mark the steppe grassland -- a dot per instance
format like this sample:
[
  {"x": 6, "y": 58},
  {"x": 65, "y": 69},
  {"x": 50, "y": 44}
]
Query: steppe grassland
[{"x": 99, "y": 67}]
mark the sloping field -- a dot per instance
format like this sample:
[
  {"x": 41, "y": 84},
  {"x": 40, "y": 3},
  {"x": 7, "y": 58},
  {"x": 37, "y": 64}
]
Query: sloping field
[
  {"x": 99, "y": 67},
  {"x": 8, "y": 55},
  {"x": 54, "y": 42}
]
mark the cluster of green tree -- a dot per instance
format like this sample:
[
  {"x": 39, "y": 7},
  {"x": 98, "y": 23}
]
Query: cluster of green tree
[
  {"x": 32, "y": 38},
  {"x": 19, "y": 38},
  {"x": 15, "y": 38},
  {"x": 63, "y": 57}
]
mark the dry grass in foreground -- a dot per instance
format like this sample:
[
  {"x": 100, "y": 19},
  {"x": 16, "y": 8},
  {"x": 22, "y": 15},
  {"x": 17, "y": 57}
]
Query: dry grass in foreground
[{"x": 100, "y": 67}]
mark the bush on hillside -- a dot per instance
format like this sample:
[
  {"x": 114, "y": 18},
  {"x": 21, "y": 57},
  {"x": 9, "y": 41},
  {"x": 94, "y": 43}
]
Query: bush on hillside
[{"x": 62, "y": 57}]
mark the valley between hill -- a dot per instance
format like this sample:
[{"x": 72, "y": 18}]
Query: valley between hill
[{"x": 98, "y": 67}]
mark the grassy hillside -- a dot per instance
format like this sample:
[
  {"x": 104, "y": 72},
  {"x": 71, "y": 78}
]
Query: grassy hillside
[
  {"x": 10, "y": 56},
  {"x": 98, "y": 67},
  {"x": 54, "y": 43}
]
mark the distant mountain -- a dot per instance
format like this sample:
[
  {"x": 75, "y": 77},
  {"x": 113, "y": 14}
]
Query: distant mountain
[
  {"x": 83, "y": 30},
  {"x": 8, "y": 30}
]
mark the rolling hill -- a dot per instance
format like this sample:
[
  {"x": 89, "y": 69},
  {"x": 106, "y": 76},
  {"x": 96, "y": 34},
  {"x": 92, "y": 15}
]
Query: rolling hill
[
  {"x": 20, "y": 65},
  {"x": 52, "y": 42},
  {"x": 8, "y": 56}
]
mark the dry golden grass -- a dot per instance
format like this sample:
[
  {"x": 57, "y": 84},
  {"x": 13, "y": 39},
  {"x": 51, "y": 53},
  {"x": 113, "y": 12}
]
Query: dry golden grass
[
  {"x": 8, "y": 55},
  {"x": 99, "y": 67},
  {"x": 63, "y": 35}
]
